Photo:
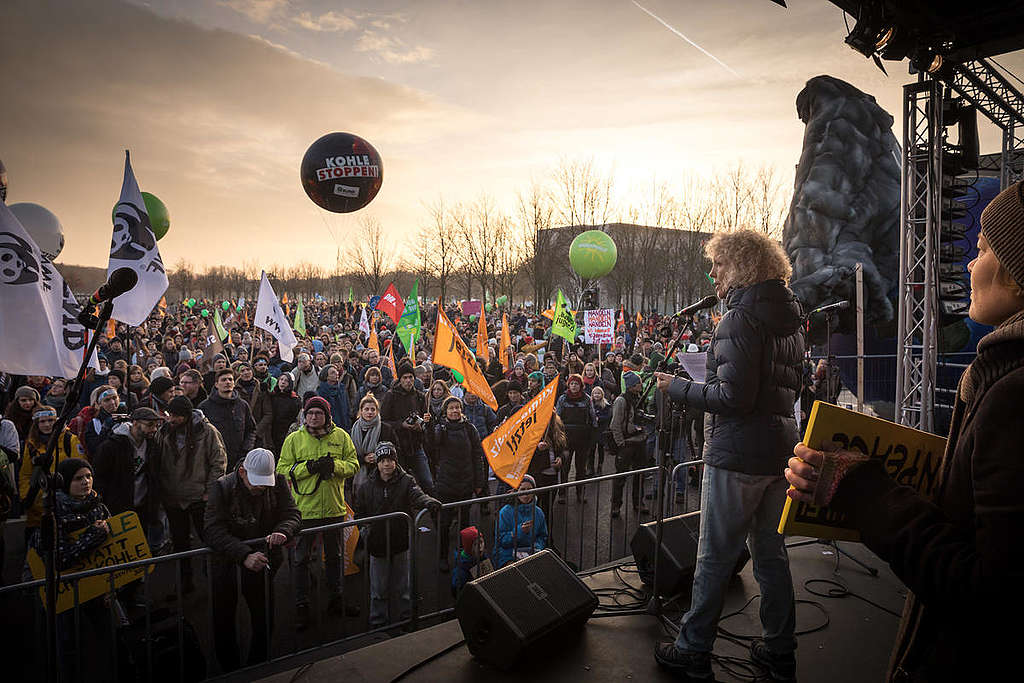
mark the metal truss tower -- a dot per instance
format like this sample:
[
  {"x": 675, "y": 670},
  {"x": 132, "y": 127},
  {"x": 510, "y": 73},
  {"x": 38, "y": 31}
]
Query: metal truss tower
[{"x": 920, "y": 214}]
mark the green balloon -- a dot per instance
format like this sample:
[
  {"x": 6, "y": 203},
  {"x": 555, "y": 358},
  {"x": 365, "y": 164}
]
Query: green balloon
[
  {"x": 487, "y": 308},
  {"x": 472, "y": 317},
  {"x": 191, "y": 303},
  {"x": 159, "y": 218},
  {"x": 501, "y": 300},
  {"x": 225, "y": 305},
  {"x": 592, "y": 254},
  {"x": 205, "y": 313}
]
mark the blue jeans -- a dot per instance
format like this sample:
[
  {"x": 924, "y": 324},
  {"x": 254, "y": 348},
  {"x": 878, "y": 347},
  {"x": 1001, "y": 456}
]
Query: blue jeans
[
  {"x": 389, "y": 588},
  {"x": 307, "y": 552},
  {"x": 421, "y": 471},
  {"x": 737, "y": 507}
]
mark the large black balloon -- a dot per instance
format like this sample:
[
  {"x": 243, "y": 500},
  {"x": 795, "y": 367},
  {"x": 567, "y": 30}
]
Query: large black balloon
[{"x": 341, "y": 172}]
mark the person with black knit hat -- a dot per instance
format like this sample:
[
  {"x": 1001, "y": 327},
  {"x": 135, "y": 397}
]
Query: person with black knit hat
[
  {"x": 461, "y": 468},
  {"x": 192, "y": 456},
  {"x": 404, "y": 408},
  {"x": 317, "y": 459},
  {"x": 959, "y": 551}
]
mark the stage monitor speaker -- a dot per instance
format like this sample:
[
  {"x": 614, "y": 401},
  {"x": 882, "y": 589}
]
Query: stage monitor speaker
[
  {"x": 677, "y": 559},
  {"x": 520, "y": 607}
]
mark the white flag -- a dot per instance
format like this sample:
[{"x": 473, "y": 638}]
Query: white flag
[
  {"x": 271, "y": 318},
  {"x": 133, "y": 245},
  {"x": 364, "y": 325},
  {"x": 39, "y": 332}
]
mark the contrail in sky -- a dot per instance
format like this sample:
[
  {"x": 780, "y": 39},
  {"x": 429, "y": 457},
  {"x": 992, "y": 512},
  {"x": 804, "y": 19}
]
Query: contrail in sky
[{"x": 670, "y": 28}]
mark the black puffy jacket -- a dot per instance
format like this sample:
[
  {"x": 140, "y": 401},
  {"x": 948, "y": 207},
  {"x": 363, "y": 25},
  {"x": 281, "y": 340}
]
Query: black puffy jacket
[
  {"x": 375, "y": 496},
  {"x": 461, "y": 466},
  {"x": 753, "y": 375}
]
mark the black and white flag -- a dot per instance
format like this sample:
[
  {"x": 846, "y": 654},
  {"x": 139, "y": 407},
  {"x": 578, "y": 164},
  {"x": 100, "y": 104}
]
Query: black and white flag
[
  {"x": 271, "y": 318},
  {"x": 39, "y": 332},
  {"x": 133, "y": 245}
]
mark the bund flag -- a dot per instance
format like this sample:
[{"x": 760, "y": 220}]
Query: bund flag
[
  {"x": 271, "y": 318},
  {"x": 451, "y": 352},
  {"x": 505, "y": 345},
  {"x": 482, "y": 349},
  {"x": 391, "y": 303},
  {"x": 133, "y": 245},
  {"x": 510, "y": 447}
]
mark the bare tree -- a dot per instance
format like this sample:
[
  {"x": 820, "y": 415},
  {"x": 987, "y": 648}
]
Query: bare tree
[{"x": 370, "y": 254}]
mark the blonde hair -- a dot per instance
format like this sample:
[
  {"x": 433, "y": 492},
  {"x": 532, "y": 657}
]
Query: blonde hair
[{"x": 748, "y": 257}]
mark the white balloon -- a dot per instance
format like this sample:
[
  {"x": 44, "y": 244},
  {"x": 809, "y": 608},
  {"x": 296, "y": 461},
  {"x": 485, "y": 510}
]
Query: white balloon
[{"x": 42, "y": 225}]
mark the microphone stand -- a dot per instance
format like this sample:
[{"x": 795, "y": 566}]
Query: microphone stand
[{"x": 48, "y": 528}]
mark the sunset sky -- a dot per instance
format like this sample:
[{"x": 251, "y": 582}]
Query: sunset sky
[{"x": 219, "y": 99}]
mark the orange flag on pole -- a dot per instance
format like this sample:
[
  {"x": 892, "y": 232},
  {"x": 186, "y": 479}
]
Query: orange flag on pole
[
  {"x": 372, "y": 343},
  {"x": 391, "y": 358},
  {"x": 451, "y": 352},
  {"x": 111, "y": 328},
  {"x": 510, "y": 447},
  {"x": 505, "y": 350},
  {"x": 481, "y": 338}
]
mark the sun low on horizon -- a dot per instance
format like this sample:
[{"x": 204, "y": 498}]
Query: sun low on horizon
[{"x": 218, "y": 101}]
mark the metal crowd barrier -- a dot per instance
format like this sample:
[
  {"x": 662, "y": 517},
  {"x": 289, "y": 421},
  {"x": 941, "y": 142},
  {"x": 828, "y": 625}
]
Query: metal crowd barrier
[{"x": 582, "y": 533}]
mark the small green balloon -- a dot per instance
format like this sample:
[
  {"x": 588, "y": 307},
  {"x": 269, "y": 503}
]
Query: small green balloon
[
  {"x": 225, "y": 305},
  {"x": 191, "y": 303},
  {"x": 205, "y": 313},
  {"x": 472, "y": 317},
  {"x": 159, "y": 218},
  {"x": 501, "y": 300},
  {"x": 592, "y": 254}
]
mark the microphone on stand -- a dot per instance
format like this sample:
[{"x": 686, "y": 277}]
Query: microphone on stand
[
  {"x": 119, "y": 282},
  {"x": 707, "y": 302},
  {"x": 837, "y": 306}
]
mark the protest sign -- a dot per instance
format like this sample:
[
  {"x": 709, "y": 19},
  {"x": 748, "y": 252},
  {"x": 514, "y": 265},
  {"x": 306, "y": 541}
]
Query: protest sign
[{"x": 599, "y": 326}]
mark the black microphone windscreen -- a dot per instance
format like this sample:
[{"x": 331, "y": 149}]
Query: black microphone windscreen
[{"x": 121, "y": 280}]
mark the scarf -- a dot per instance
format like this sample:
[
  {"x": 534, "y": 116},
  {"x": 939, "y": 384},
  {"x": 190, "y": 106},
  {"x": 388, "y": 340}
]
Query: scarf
[
  {"x": 435, "y": 404},
  {"x": 999, "y": 352},
  {"x": 365, "y": 436}
]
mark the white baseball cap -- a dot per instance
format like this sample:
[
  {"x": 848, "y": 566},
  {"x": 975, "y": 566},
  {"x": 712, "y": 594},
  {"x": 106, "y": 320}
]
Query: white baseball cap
[{"x": 259, "y": 467}]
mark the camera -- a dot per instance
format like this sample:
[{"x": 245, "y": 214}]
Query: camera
[{"x": 414, "y": 420}]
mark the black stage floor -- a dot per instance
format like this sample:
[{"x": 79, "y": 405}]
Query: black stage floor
[{"x": 849, "y": 638}]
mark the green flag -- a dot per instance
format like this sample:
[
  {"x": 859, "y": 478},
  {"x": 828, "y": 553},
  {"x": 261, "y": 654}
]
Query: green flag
[
  {"x": 350, "y": 299},
  {"x": 221, "y": 332},
  {"x": 564, "y": 322},
  {"x": 300, "y": 319},
  {"x": 408, "y": 328}
]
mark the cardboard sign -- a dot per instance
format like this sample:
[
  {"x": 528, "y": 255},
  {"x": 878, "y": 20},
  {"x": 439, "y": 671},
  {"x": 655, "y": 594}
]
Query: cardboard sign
[
  {"x": 909, "y": 456},
  {"x": 125, "y": 543},
  {"x": 510, "y": 447},
  {"x": 599, "y": 326}
]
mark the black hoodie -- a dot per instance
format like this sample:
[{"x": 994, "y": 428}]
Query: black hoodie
[{"x": 754, "y": 372}]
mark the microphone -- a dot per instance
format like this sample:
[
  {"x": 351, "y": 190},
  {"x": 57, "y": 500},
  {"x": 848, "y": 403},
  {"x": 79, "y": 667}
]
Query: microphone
[
  {"x": 707, "y": 302},
  {"x": 837, "y": 306},
  {"x": 119, "y": 282}
]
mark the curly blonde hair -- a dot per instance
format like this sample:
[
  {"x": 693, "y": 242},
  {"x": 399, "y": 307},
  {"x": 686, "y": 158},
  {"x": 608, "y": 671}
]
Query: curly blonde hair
[{"x": 745, "y": 257}]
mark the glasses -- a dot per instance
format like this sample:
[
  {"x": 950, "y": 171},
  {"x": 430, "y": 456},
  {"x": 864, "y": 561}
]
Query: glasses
[{"x": 315, "y": 412}]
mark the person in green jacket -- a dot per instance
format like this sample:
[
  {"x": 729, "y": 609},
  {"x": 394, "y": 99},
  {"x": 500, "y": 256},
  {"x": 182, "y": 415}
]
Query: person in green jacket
[{"x": 316, "y": 460}]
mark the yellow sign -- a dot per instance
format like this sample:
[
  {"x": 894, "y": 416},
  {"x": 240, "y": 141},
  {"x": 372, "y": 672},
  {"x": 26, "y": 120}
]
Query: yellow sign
[
  {"x": 451, "y": 352},
  {"x": 125, "y": 543},
  {"x": 510, "y": 447},
  {"x": 909, "y": 456}
]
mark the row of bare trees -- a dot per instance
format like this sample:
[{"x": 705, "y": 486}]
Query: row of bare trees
[{"x": 475, "y": 249}]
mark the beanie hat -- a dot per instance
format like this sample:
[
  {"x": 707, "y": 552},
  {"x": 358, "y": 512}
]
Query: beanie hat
[
  {"x": 26, "y": 392},
  {"x": 184, "y": 355},
  {"x": 67, "y": 469},
  {"x": 444, "y": 404},
  {"x": 159, "y": 385},
  {"x": 180, "y": 406},
  {"x": 636, "y": 360},
  {"x": 404, "y": 368},
  {"x": 386, "y": 451},
  {"x": 515, "y": 385},
  {"x": 529, "y": 478},
  {"x": 1002, "y": 223},
  {"x": 537, "y": 375},
  {"x": 631, "y": 379},
  {"x": 468, "y": 537},
  {"x": 321, "y": 403}
]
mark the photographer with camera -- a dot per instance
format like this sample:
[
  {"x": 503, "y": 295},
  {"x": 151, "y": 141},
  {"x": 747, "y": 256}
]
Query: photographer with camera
[
  {"x": 754, "y": 369},
  {"x": 628, "y": 439},
  {"x": 403, "y": 408},
  {"x": 316, "y": 459}
]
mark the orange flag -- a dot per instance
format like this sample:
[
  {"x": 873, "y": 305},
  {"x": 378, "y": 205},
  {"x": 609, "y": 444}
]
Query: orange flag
[
  {"x": 373, "y": 343},
  {"x": 162, "y": 305},
  {"x": 284, "y": 298},
  {"x": 111, "y": 328},
  {"x": 510, "y": 447},
  {"x": 505, "y": 350},
  {"x": 481, "y": 338},
  {"x": 451, "y": 352},
  {"x": 391, "y": 358},
  {"x": 639, "y": 319}
]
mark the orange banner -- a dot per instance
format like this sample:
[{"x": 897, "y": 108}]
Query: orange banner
[
  {"x": 510, "y": 447},
  {"x": 504, "y": 350},
  {"x": 111, "y": 328},
  {"x": 481, "y": 339},
  {"x": 373, "y": 343},
  {"x": 391, "y": 358},
  {"x": 451, "y": 352}
]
